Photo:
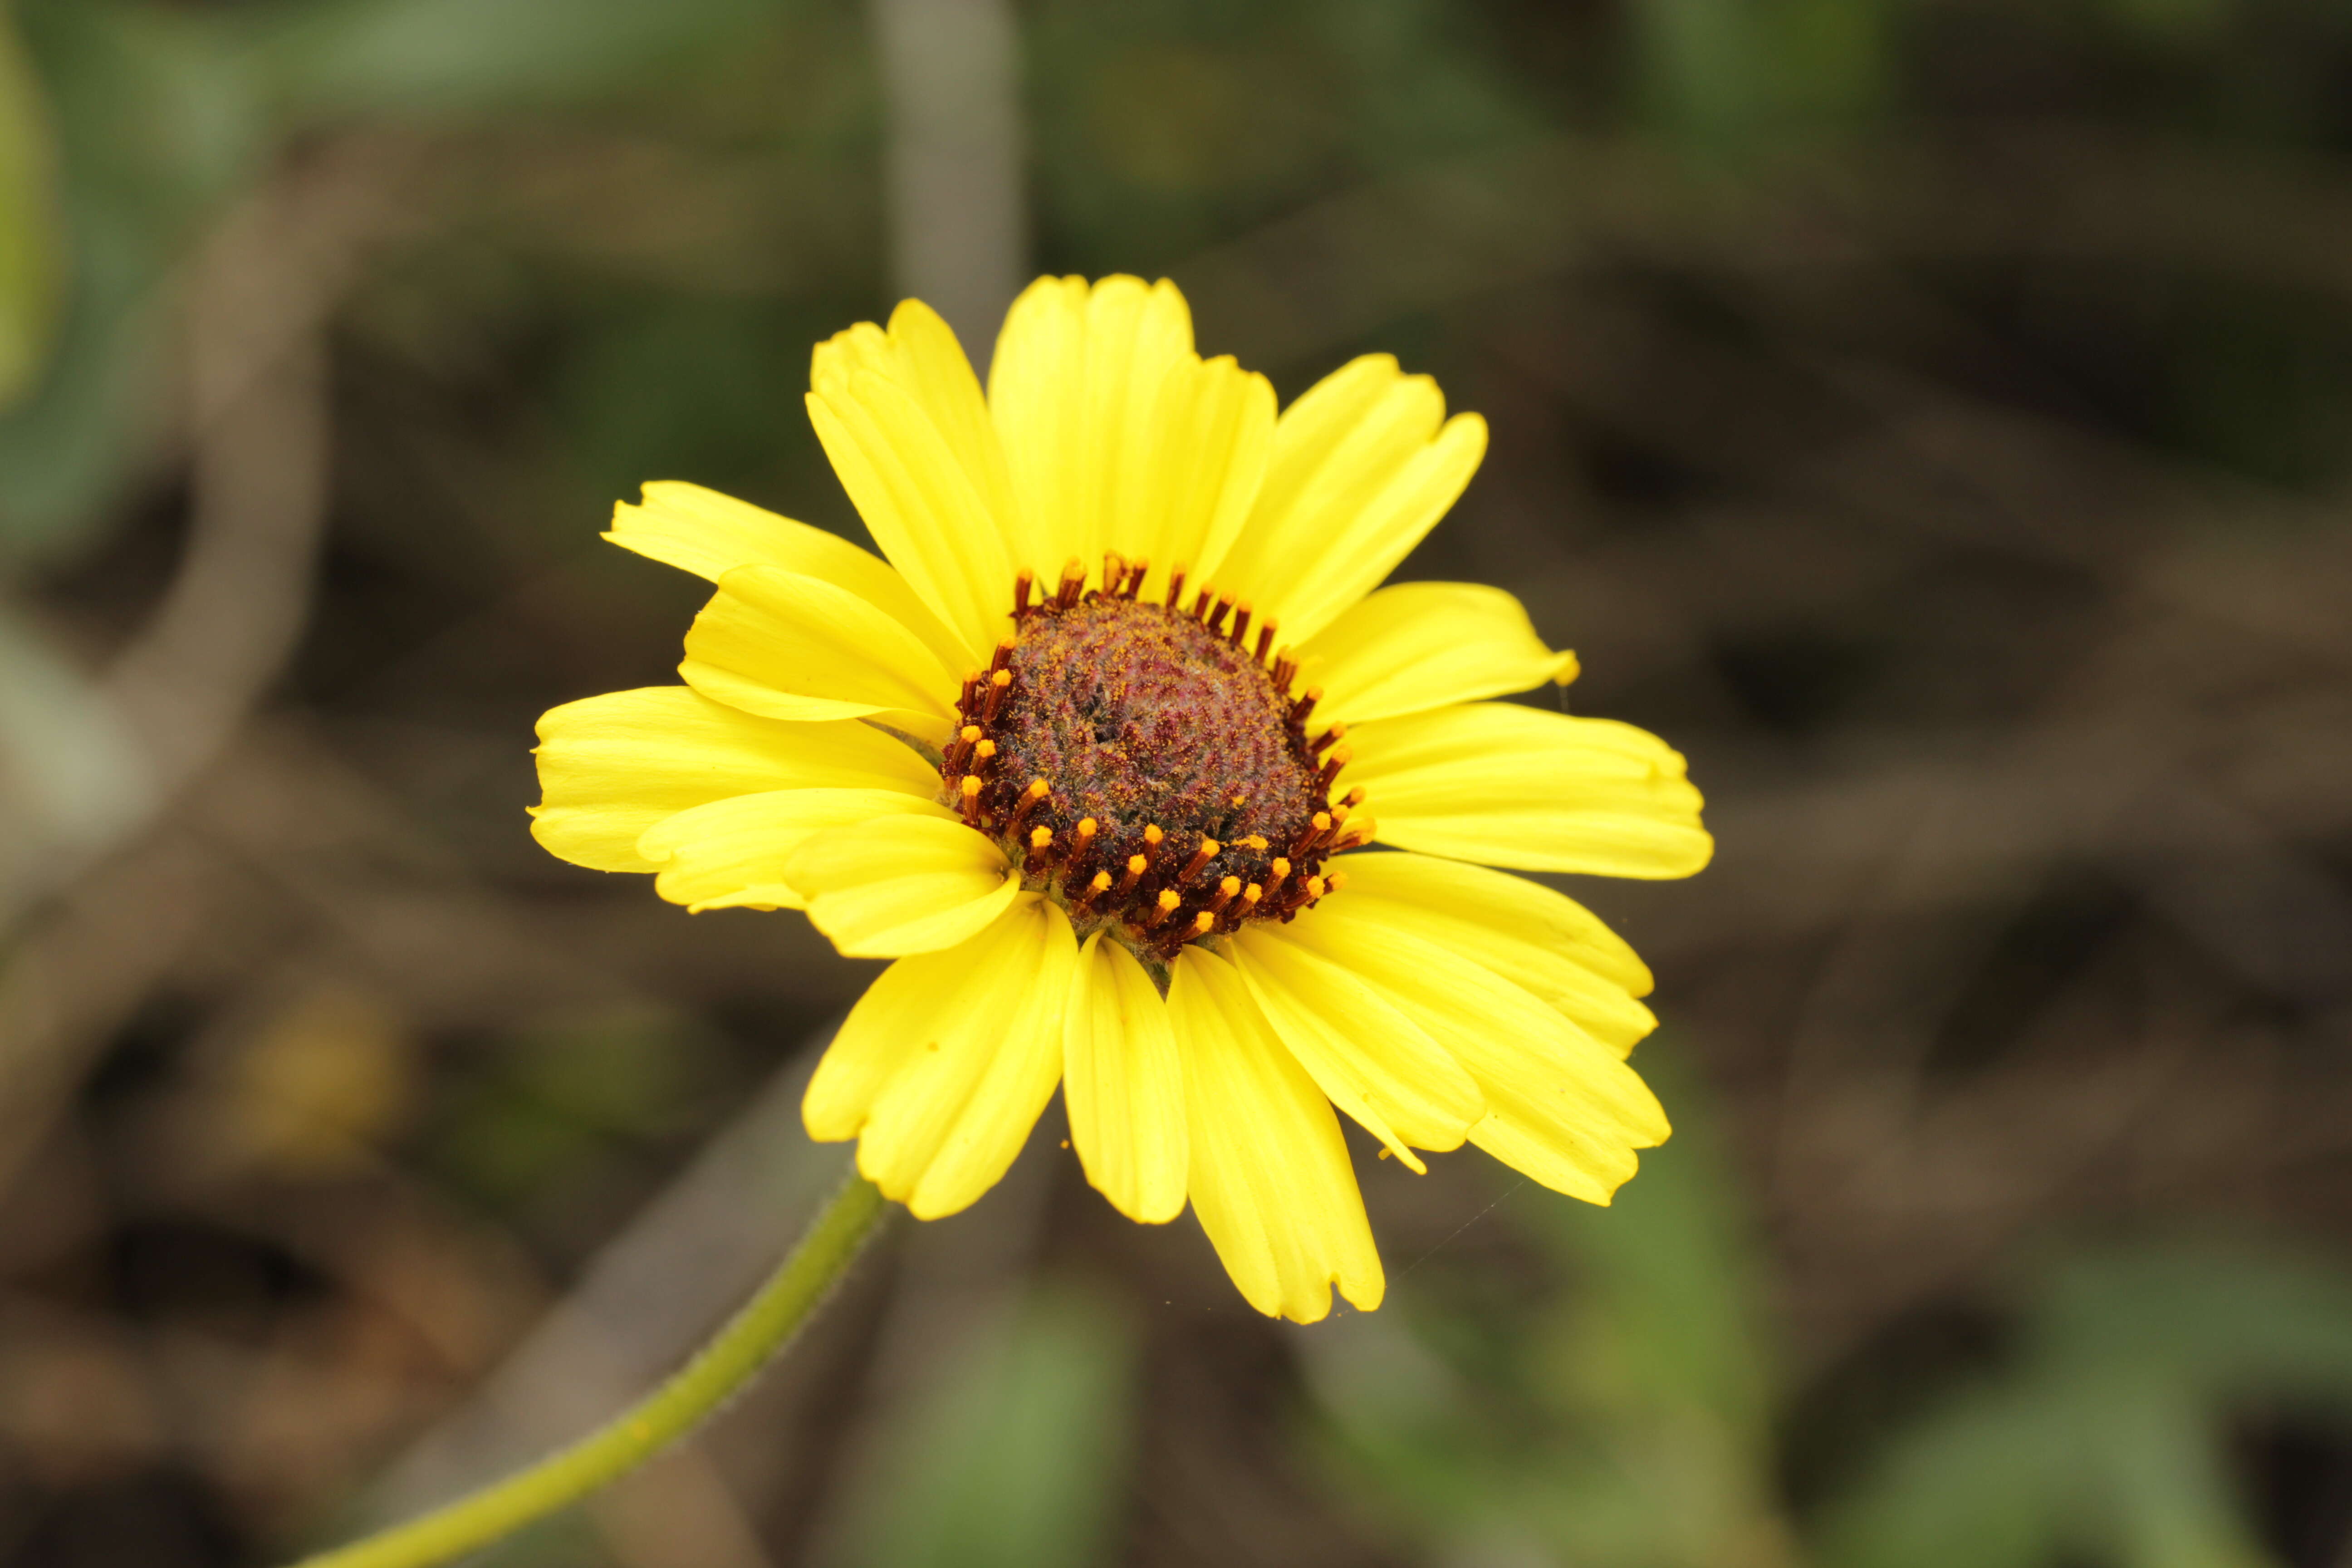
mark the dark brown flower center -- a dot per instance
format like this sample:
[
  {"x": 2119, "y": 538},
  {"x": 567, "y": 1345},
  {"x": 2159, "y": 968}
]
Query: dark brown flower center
[{"x": 1146, "y": 767}]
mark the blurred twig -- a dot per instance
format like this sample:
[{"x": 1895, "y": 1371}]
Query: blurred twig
[{"x": 953, "y": 158}]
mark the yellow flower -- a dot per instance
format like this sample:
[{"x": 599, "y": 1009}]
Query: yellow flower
[{"x": 1093, "y": 755}]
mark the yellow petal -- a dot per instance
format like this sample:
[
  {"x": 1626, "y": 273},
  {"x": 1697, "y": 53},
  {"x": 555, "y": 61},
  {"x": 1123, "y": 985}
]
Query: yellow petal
[
  {"x": 944, "y": 1067},
  {"x": 953, "y": 1121},
  {"x": 612, "y": 766},
  {"x": 1516, "y": 786},
  {"x": 1560, "y": 1106},
  {"x": 786, "y": 646},
  {"x": 1418, "y": 645},
  {"x": 731, "y": 853},
  {"x": 1540, "y": 940},
  {"x": 1210, "y": 441},
  {"x": 1117, "y": 435},
  {"x": 920, "y": 352},
  {"x": 710, "y": 535},
  {"x": 901, "y": 885},
  {"x": 1123, "y": 1084},
  {"x": 1362, "y": 466},
  {"x": 1375, "y": 1063},
  {"x": 1269, "y": 1173},
  {"x": 917, "y": 499}
]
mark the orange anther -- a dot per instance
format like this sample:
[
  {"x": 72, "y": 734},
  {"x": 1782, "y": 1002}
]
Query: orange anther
[
  {"x": 971, "y": 691},
  {"x": 998, "y": 685},
  {"x": 1203, "y": 924},
  {"x": 1250, "y": 896},
  {"x": 1227, "y": 891},
  {"x": 1241, "y": 621},
  {"x": 1315, "y": 889},
  {"x": 1265, "y": 642},
  {"x": 1021, "y": 586},
  {"x": 983, "y": 751},
  {"x": 1136, "y": 866},
  {"x": 1285, "y": 670},
  {"x": 1200, "y": 857},
  {"x": 1315, "y": 747},
  {"x": 1073, "y": 579},
  {"x": 1308, "y": 837},
  {"x": 1338, "y": 759},
  {"x": 1097, "y": 887},
  {"x": 1003, "y": 656},
  {"x": 1305, "y": 705},
  {"x": 1281, "y": 872},
  {"x": 1037, "y": 791},
  {"x": 1137, "y": 571},
  {"x": 1161, "y": 908},
  {"x": 1114, "y": 571}
]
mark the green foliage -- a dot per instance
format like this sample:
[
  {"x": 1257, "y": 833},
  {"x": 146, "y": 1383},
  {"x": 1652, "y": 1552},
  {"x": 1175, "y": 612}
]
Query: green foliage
[
  {"x": 377, "y": 57},
  {"x": 565, "y": 1098},
  {"x": 1016, "y": 1457},
  {"x": 32, "y": 242},
  {"x": 157, "y": 125},
  {"x": 1727, "y": 77},
  {"x": 2105, "y": 1436},
  {"x": 1619, "y": 1419},
  {"x": 164, "y": 115},
  {"x": 1624, "y": 1416}
]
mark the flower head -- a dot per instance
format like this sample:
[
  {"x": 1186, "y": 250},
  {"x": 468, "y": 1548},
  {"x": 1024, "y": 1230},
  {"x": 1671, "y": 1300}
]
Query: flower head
[{"x": 1094, "y": 755}]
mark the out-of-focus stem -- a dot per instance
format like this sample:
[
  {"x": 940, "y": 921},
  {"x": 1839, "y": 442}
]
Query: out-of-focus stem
[{"x": 959, "y": 223}]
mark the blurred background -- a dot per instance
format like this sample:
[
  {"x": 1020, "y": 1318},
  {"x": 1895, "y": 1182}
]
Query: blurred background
[{"x": 1931, "y": 415}]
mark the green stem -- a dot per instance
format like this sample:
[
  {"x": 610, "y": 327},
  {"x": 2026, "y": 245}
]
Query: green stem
[{"x": 732, "y": 1358}]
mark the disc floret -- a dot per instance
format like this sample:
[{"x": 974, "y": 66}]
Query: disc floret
[{"x": 1146, "y": 764}]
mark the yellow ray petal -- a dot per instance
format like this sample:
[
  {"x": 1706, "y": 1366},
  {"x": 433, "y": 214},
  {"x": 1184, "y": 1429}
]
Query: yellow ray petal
[
  {"x": 1362, "y": 466},
  {"x": 1418, "y": 645},
  {"x": 1375, "y": 1063},
  {"x": 1209, "y": 440},
  {"x": 947, "y": 1104},
  {"x": 920, "y": 352},
  {"x": 918, "y": 502},
  {"x": 1123, "y": 1085},
  {"x": 731, "y": 853},
  {"x": 901, "y": 885},
  {"x": 710, "y": 535},
  {"x": 1117, "y": 435},
  {"x": 786, "y": 646},
  {"x": 612, "y": 766},
  {"x": 1529, "y": 934},
  {"x": 1269, "y": 1173},
  {"x": 1560, "y": 1106},
  {"x": 1516, "y": 786}
]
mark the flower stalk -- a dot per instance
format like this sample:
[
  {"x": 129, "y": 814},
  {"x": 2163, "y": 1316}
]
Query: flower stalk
[{"x": 728, "y": 1363}]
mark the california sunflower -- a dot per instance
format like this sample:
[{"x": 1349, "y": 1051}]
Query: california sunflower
[{"x": 1094, "y": 755}]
